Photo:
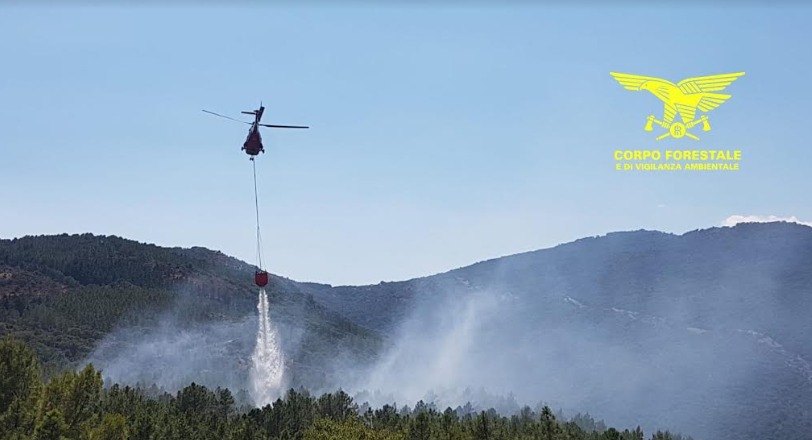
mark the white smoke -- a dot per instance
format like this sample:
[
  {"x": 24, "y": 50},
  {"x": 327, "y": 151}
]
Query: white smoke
[
  {"x": 436, "y": 352},
  {"x": 267, "y": 369}
]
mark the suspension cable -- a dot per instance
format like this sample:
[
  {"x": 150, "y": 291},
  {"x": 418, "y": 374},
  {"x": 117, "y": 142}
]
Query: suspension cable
[{"x": 256, "y": 205}]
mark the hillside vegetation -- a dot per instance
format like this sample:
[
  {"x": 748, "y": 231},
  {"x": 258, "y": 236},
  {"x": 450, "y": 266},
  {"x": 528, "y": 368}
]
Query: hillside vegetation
[
  {"x": 706, "y": 333},
  {"x": 64, "y": 294},
  {"x": 77, "y": 405},
  {"x": 715, "y": 322}
]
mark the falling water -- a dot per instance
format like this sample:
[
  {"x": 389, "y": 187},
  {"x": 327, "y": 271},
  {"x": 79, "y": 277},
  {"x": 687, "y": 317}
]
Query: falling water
[{"x": 266, "y": 371}]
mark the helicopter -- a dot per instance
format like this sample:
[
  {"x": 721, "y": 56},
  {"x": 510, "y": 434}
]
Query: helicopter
[
  {"x": 253, "y": 146},
  {"x": 253, "y": 143}
]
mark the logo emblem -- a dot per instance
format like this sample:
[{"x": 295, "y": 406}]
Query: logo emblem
[{"x": 684, "y": 98}]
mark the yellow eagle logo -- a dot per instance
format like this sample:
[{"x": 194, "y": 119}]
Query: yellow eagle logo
[{"x": 684, "y": 98}]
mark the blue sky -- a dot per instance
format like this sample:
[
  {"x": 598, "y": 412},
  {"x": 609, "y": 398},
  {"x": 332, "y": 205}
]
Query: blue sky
[{"x": 440, "y": 136}]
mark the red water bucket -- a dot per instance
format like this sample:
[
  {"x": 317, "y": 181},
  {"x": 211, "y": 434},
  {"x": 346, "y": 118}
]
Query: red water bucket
[{"x": 261, "y": 278}]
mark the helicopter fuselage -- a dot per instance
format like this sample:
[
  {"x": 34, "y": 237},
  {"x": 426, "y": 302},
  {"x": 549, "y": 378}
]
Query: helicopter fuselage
[{"x": 253, "y": 143}]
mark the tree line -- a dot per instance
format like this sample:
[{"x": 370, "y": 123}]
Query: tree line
[{"x": 75, "y": 405}]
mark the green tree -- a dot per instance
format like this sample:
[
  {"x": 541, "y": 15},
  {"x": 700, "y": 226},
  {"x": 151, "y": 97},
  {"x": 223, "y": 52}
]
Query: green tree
[
  {"x": 450, "y": 425},
  {"x": 483, "y": 429},
  {"x": 77, "y": 396},
  {"x": 420, "y": 427},
  {"x": 298, "y": 411},
  {"x": 337, "y": 406},
  {"x": 20, "y": 386},
  {"x": 113, "y": 427},
  {"x": 50, "y": 427},
  {"x": 225, "y": 402},
  {"x": 611, "y": 434},
  {"x": 20, "y": 376},
  {"x": 386, "y": 417},
  {"x": 549, "y": 427}
]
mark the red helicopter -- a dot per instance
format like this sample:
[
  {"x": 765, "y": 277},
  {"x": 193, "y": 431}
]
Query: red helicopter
[
  {"x": 253, "y": 143},
  {"x": 253, "y": 146}
]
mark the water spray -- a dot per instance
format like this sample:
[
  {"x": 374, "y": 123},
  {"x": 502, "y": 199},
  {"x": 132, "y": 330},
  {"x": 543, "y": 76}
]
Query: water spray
[{"x": 267, "y": 362}]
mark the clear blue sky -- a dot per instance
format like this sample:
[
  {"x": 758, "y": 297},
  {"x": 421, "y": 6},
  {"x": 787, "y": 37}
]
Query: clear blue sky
[{"x": 440, "y": 136}]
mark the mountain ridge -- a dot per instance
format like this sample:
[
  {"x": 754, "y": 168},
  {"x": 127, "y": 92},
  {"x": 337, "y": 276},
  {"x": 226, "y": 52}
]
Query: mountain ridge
[
  {"x": 67, "y": 295},
  {"x": 720, "y": 310}
]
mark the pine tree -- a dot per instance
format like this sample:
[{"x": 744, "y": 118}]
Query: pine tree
[
  {"x": 20, "y": 374},
  {"x": 611, "y": 434},
  {"x": 549, "y": 427},
  {"x": 420, "y": 428},
  {"x": 113, "y": 427},
  {"x": 482, "y": 428},
  {"x": 77, "y": 396},
  {"x": 50, "y": 427}
]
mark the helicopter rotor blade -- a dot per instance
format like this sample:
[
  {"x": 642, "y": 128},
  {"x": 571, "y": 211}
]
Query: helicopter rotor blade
[
  {"x": 227, "y": 117},
  {"x": 283, "y": 126}
]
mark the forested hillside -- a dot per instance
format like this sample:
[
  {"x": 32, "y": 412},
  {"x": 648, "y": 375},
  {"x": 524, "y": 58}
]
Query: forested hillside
[
  {"x": 734, "y": 271},
  {"x": 608, "y": 323},
  {"x": 705, "y": 333},
  {"x": 64, "y": 294},
  {"x": 78, "y": 405}
]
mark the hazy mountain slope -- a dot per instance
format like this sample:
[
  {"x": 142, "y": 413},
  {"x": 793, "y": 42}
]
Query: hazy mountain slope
[
  {"x": 74, "y": 296},
  {"x": 706, "y": 332},
  {"x": 379, "y": 307},
  {"x": 729, "y": 271}
]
